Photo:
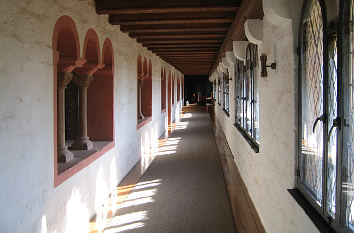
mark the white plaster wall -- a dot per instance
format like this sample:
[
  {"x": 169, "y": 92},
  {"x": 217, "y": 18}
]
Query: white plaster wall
[
  {"x": 29, "y": 202},
  {"x": 270, "y": 173}
]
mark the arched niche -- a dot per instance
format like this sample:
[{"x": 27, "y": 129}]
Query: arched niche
[
  {"x": 163, "y": 89},
  {"x": 140, "y": 67},
  {"x": 66, "y": 46},
  {"x": 145, "y": 96},
  {"x": 84, "y": 83},
  {"x": 169, "y": 97},
  {"x": 173, "y": 89},
  {"x": 150, "y": 70},
  {"x": 66, "y": 52},
  {"x": 145, "y": 68},
  {"x": 100, "y": 95},
  {"x": 178, "y": 88}
]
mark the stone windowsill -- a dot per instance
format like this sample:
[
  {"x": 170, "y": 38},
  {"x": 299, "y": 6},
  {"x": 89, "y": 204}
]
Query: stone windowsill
[
  {"x": 143, "y": 122},
  {"x": 82, "y": 158},
  {"x": 226, "y": 112},
  {"x": 254, "y": 145},
  {"x": 321, "y": 224}
]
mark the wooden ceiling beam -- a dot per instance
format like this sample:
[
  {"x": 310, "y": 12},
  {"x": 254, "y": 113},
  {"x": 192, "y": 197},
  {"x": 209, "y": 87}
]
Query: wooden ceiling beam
[
  {"x": 188, "y": 9},
  {"x": 176, "y": 37},
  {"x": 177, "y": 45},
  {"x": 202, "y": 53},
  {"x": 153, "y": 6},
  {"x": 185, "y": 50},
  {"x": 209, "y": 34},
  {"x": 181, "y": 42},
  {"x": 216, "y": 48},
  {"x": 172, "y": 16},
  {"x": 169, "y": 21},
  {"x": 127, "y": 28},
  {"x": 142, "y": 31}
]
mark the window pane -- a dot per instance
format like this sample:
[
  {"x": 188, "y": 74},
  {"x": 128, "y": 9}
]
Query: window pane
[
  {"x": 244, "y": 101},
  {"x": 248, "y": 91},
  {"x": 312, "y": 100},
  {"x": 332, "y": 114},
  {"x": 255, "y": 96},
  {"x": 348, "y": 129},
  {"x": 239, "y": 91}
]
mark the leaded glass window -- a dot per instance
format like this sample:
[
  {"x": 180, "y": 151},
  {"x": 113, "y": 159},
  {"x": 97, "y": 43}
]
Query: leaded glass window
[
  {"x": 347, "y": 171},
  {"x": 226, "y": 101},
  {"x": 312, "y": 80},
  {"x": 247, "y": 97},
  {"x": 219, "y": 91},
  {"x": 239, "y": 93},
  {"x": 325, "y": 88},
  {"x": 214, "y": 89}
]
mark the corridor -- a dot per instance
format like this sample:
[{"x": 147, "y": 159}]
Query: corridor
[{"x": 183, "y": 190}]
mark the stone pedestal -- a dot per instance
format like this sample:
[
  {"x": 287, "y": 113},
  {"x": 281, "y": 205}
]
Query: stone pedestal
[
  {"x": 82, "y": 142},
  {"x": 140, "y": 114},
  {"x": 63, "y": 154}
]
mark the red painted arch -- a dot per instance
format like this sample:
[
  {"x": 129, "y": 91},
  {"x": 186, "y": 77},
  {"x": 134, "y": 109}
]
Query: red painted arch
[
  {"x": 66, "y": 25},
  {"x": 108, "y": 54},
  {"x": 91, "y": 49}
]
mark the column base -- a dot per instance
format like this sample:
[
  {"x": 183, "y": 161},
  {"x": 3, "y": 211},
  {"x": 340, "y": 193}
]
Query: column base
[
  {"x": 64, "y": 155},
  {"x": 82, "y": 143}
]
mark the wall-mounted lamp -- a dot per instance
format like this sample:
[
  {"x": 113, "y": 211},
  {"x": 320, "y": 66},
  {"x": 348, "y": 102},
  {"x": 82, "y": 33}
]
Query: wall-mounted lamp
[{"x": 264, "y": 65}]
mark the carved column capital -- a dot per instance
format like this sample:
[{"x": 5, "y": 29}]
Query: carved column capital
[
  {"x": 64, "y": 79},
  {"x": 83, "y": 81}
]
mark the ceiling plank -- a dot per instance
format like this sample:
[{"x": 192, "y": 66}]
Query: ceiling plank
[
  {"x": 162, "y": 37},
  {"x": 169, "y": 21},
  {"x": 178, "y": 45},
  {"x": 178, "y": 34},
  {"x": 172, "y": 16},
  {"x": 181, "y": 42},
  {"x": 154, "y": 6},
  {"x": 186, "y": 50},
  {"x": 136, "y": 31},
  {"x": 127, "y": 28}
]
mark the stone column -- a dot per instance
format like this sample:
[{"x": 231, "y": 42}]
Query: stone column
[
  {"x": 82, "y": 142},
  {"x": 64, "y": 155},
  {"x": 140, "y": 84}
]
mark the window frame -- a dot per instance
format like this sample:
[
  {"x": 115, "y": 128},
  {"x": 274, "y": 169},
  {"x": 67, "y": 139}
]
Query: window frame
[
  {"x": 219, "y": 91},
  {"x": 241, "y": 76},
  {"x": 338, "y": 222},
  {"x": 226, "y": 93}
]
